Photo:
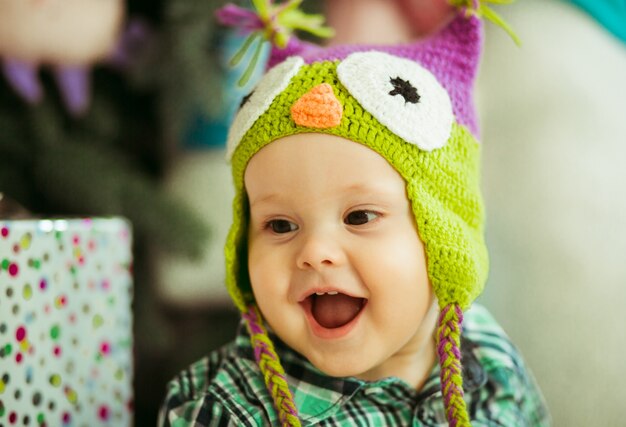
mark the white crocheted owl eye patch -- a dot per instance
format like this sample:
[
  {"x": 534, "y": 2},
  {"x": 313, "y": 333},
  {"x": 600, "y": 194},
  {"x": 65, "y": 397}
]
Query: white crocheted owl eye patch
[
  {"x": 273, "y": 83},
  {"x": 402, "y": 95}
]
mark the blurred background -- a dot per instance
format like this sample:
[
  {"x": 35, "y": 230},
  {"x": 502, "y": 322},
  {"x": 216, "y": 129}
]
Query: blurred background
[
  {"x": 138, "y": 128},
  {"x": 553, "y": 130}
]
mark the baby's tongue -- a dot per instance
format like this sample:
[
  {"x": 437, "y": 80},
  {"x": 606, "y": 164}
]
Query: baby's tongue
[{"x": 333, "y": 311}]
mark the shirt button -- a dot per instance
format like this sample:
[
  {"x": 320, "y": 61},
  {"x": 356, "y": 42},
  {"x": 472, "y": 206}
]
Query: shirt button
[{"x": 372, "y": 390}]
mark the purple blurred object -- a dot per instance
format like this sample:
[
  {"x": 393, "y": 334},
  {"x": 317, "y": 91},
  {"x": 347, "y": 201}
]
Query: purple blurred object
[
  {"x": 22, "y": 76},
  {"x": 238, "y": 17},
  {"x": 133, "y": 40},
  {"x": 74, "y": 82},
  {"x": 75, "y": 85}
]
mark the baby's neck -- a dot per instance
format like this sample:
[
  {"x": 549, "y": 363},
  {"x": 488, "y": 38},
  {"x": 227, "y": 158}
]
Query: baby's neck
[{"x": 413, "y": 366}]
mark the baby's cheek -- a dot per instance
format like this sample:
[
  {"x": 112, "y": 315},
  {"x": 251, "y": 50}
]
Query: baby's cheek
[
  {"x": 267, "y": 273},
  {"x": 399, "y": 271}
]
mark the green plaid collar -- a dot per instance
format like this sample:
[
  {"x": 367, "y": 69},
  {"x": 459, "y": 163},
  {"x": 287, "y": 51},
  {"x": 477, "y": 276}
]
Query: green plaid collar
[
  {"x": 227, "y": 388},
  {"x": 319, "y": 396}
]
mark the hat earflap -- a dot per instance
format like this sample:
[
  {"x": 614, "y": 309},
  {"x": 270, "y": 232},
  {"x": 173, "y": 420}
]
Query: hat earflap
[
  {"x": 449, "y": 351},
  {"x": 271, "y": 369}
]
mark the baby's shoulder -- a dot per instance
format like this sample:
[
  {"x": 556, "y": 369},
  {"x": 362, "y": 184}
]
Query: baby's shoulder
[
  {"x": 490, "y": 344},
  {"x": 195, "y": 380},
  {"x": 222, "y": 388},
  {"x": 507, "y": 391}
]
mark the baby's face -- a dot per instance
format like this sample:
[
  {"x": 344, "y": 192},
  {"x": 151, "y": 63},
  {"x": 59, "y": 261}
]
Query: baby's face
[{"x": 335, "y": 261}]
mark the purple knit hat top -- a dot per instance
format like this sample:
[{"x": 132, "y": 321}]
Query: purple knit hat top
[{"x": 452, "y": 55}]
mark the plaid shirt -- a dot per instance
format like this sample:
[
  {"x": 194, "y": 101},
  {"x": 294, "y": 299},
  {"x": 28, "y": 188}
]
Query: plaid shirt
[{"x": 227, "y": 389}]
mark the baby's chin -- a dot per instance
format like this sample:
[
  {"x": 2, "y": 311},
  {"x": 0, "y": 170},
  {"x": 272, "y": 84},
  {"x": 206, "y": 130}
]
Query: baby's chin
[
  {"x": 340, "y": 370},
  {"x": 356, "y": 364}
]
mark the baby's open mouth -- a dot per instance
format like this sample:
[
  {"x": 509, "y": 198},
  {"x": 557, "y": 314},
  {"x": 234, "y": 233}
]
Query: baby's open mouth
[{"x": 334, "y": 309}]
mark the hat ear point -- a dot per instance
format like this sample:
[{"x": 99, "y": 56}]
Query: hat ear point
[
  {"x": 453, "y": 55},
  {"x": 462, "y": 41}
]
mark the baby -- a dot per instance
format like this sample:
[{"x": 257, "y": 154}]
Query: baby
[{"x": 357, "y": 249}]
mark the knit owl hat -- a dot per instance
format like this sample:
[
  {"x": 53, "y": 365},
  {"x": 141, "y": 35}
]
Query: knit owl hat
[{"x": 413, "y": 105}]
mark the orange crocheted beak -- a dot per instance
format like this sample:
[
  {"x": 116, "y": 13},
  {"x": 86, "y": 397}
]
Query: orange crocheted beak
[{"x": 318, "y": 108}]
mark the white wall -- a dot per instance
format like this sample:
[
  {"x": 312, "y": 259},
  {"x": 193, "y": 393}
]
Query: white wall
[{"x": 554, "y": 131}]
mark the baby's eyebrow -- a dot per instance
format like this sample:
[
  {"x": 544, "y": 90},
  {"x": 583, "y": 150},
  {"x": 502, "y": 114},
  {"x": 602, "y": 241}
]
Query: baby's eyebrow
[
  {"x": 362, "y": 188},
  {"x": 359, "y": 188},
  {"x": 373, "y": 189},
  {"x": 265, "y": 199}
]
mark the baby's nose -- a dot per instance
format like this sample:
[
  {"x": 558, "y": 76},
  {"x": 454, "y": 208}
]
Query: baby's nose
[
  {"x": 318, "y": 108},
  {"x": 319, "y": 252}
]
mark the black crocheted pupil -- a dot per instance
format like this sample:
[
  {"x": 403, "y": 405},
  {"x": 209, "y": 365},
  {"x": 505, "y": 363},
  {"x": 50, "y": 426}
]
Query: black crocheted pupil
[
  {"x": 245, "y": 99},
  {"x": 406, "y": 89}
]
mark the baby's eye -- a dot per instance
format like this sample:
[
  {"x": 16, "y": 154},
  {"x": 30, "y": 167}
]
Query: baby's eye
[
  {"x": 281, "y": 226},
  {"x": 360, "y": 217}
]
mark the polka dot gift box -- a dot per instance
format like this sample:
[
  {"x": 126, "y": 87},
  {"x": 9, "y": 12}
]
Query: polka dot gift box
[{"x": 65, "y": 322}]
